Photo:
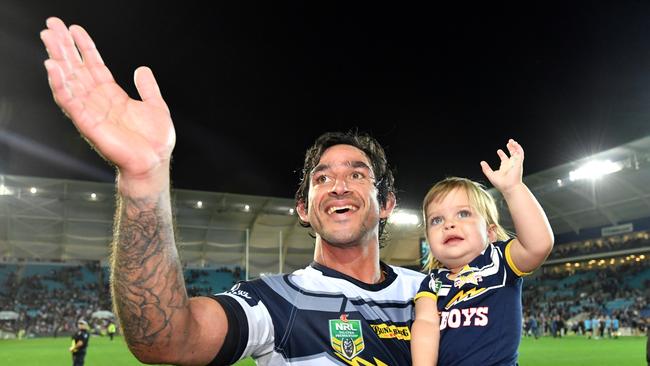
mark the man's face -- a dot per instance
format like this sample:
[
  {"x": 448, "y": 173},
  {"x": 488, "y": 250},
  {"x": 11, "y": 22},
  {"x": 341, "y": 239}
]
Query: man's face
[{"x": 343, "y": 209}]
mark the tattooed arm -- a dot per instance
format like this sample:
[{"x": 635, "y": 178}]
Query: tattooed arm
[{"x": 160, "y": 323}]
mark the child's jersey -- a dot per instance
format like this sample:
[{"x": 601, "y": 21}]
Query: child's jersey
[{"x": 480, "y": 309}]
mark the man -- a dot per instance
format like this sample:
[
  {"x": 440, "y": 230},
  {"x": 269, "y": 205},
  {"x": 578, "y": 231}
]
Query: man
[
  {"x": 80, "y": 343},
  {"x": 647, "y": 344},
  {"x": 111, "y": 329},
  {"x": 345, "y": 308}
]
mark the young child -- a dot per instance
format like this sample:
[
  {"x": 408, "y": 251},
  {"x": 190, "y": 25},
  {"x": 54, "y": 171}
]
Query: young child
[{"x": 468, "y": 310}]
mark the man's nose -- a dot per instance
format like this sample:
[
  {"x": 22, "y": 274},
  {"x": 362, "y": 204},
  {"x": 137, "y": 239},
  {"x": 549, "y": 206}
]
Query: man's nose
[{"x": 340, "y": 186}]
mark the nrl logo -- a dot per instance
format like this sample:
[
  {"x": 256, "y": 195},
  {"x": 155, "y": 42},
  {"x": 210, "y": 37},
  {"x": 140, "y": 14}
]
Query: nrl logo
[
  {"x": 434, "y": 285},
  {"x": 346, "y": 336}
]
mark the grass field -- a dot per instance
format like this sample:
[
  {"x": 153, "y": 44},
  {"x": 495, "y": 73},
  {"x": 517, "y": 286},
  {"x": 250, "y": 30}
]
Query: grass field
[{"x": 574, "y": 351}]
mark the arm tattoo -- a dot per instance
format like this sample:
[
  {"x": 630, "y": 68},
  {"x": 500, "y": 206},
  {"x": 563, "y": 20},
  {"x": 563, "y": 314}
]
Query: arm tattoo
[{"x": 147, "y": 279}]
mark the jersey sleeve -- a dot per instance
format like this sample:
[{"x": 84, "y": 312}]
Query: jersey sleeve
[
  {"x": 428, "y": 287},
  {"x": 511, "y": 268},
  {"x": 250, "y": 328}
]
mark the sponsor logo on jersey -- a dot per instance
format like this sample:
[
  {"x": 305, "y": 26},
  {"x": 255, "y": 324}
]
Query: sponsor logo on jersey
[
  {"x": 346, "y": 337},
  {"x": 391, "y": 331},
  {"x": 241, "y": 293}
]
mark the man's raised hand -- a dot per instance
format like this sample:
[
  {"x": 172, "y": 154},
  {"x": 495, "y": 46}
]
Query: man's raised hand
[{"x": 136, "y": 135}]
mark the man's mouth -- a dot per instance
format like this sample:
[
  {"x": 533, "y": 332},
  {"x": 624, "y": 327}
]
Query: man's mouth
[{"x": 341, "y": 209}]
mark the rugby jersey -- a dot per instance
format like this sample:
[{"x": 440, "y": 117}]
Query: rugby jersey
[
  {"x": 480, "y": 309},
  {"x": 318, "y": 316}
]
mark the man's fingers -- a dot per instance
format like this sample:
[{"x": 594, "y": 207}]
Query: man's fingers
[
  {"x": 55, "y": 79},
  {"x": 63, "y": 47},
  {"x": 92, "y": 59},
  {"x": 148, "y": 88},
  {"x": 73, "y": 107},
  {"x": 86, "y": 46}
]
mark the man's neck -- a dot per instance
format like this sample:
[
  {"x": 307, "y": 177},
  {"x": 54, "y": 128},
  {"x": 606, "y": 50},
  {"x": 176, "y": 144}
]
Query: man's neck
[{"x": 359, "y": 262}]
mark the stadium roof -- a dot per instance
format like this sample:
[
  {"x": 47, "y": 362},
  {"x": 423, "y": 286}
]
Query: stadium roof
[
  {"x": 613, "y": 199},
  {"x": 51, "y": 219}
]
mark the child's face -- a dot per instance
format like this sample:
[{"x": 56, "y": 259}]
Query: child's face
[{"x": 456, "y": 232}]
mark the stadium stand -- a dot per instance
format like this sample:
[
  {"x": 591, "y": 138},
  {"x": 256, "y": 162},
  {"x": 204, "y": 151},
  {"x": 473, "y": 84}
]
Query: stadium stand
[
  {"x": 605, "y": 288},
  {"x": 50, "y": 297},
  {"x": 55, "y": 235}
]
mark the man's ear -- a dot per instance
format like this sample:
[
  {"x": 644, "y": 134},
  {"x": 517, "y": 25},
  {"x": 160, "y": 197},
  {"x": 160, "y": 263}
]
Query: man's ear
[
  {"x": 301, "y": 208},
  {"x": 492, "y": 233},
  {"x": 388, "y": 208}
]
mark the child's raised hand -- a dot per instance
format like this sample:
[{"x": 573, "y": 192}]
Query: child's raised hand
[{"x": 510, "y": 171}]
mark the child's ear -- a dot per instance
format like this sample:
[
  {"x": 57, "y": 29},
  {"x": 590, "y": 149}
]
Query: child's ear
[{"x": 492, "y": 233}]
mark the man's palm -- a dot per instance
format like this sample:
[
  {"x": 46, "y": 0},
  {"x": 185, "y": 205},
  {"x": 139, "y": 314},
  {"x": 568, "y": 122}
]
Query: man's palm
[{"x": 137, "y": 136}]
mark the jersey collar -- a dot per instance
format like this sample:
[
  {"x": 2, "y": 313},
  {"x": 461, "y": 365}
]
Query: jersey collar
[{"x": 389, "y": 276}]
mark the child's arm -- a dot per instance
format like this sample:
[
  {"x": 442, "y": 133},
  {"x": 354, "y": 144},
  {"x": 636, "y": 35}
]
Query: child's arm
[
  {"x": 534, "y": 235},
  {"x": 425, "y": 332}
]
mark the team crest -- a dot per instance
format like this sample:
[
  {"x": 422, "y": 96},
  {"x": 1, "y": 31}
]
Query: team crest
[
  {"x": 346, "y": 336},
  {"x": 467, "y": 275}
]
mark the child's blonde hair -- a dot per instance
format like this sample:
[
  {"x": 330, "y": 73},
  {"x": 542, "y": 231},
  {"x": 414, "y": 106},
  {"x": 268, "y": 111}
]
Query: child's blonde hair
[{"x": 479, "y": 199}]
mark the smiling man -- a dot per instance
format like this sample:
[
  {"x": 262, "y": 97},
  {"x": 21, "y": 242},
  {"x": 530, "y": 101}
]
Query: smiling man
[{"x": 346, "y": 307}]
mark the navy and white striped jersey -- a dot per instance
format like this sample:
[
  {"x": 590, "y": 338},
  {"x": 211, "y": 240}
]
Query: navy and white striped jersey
[
  {"x": 480, "y": 309},
  {"x": 318, "y": 316}
]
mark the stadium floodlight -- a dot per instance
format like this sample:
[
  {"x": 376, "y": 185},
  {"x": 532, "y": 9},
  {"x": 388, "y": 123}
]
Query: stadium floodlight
[
  {"x": 5, "y": 191},
  {"x": 247, "y": 208},
  {"x": 595, "y": 169},
  {"x": 403, "y": 218},
  {"x": 93, "y": 196},
  {"x": 199, "y": 204},
  {"x": 291, "y": 211},
  {"x": 33, "y": 190}
]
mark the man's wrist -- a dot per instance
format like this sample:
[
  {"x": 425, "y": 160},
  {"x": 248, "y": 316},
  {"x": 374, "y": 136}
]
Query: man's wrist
[{"x": 144, "y": 185}]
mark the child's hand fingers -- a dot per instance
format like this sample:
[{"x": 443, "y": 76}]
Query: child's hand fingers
[{"x": 487, "y": 170}]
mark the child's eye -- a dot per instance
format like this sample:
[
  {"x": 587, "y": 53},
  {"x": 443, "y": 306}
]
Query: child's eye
[
  {"x": 436, "y": 220},
  {"x": 464, "y": 213}
]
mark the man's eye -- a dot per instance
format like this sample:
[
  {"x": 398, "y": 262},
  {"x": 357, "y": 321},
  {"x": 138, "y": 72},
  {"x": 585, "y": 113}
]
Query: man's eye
[
  {"x": 436, "y": 220},
  {"x": 356, "y": 176},
  {"x": 464, "y": 214},
  {"x": 321, "y": 179}
]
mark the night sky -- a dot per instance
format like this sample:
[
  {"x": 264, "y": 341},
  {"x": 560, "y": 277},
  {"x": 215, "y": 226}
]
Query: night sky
[{"x": 440, "y": 87}]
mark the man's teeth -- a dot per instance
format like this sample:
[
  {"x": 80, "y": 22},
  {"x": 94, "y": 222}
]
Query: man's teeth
[{"x": 337, "y": 208}]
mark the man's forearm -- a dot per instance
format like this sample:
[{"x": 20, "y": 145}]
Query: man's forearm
[{"x": 147, "y": 281}]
